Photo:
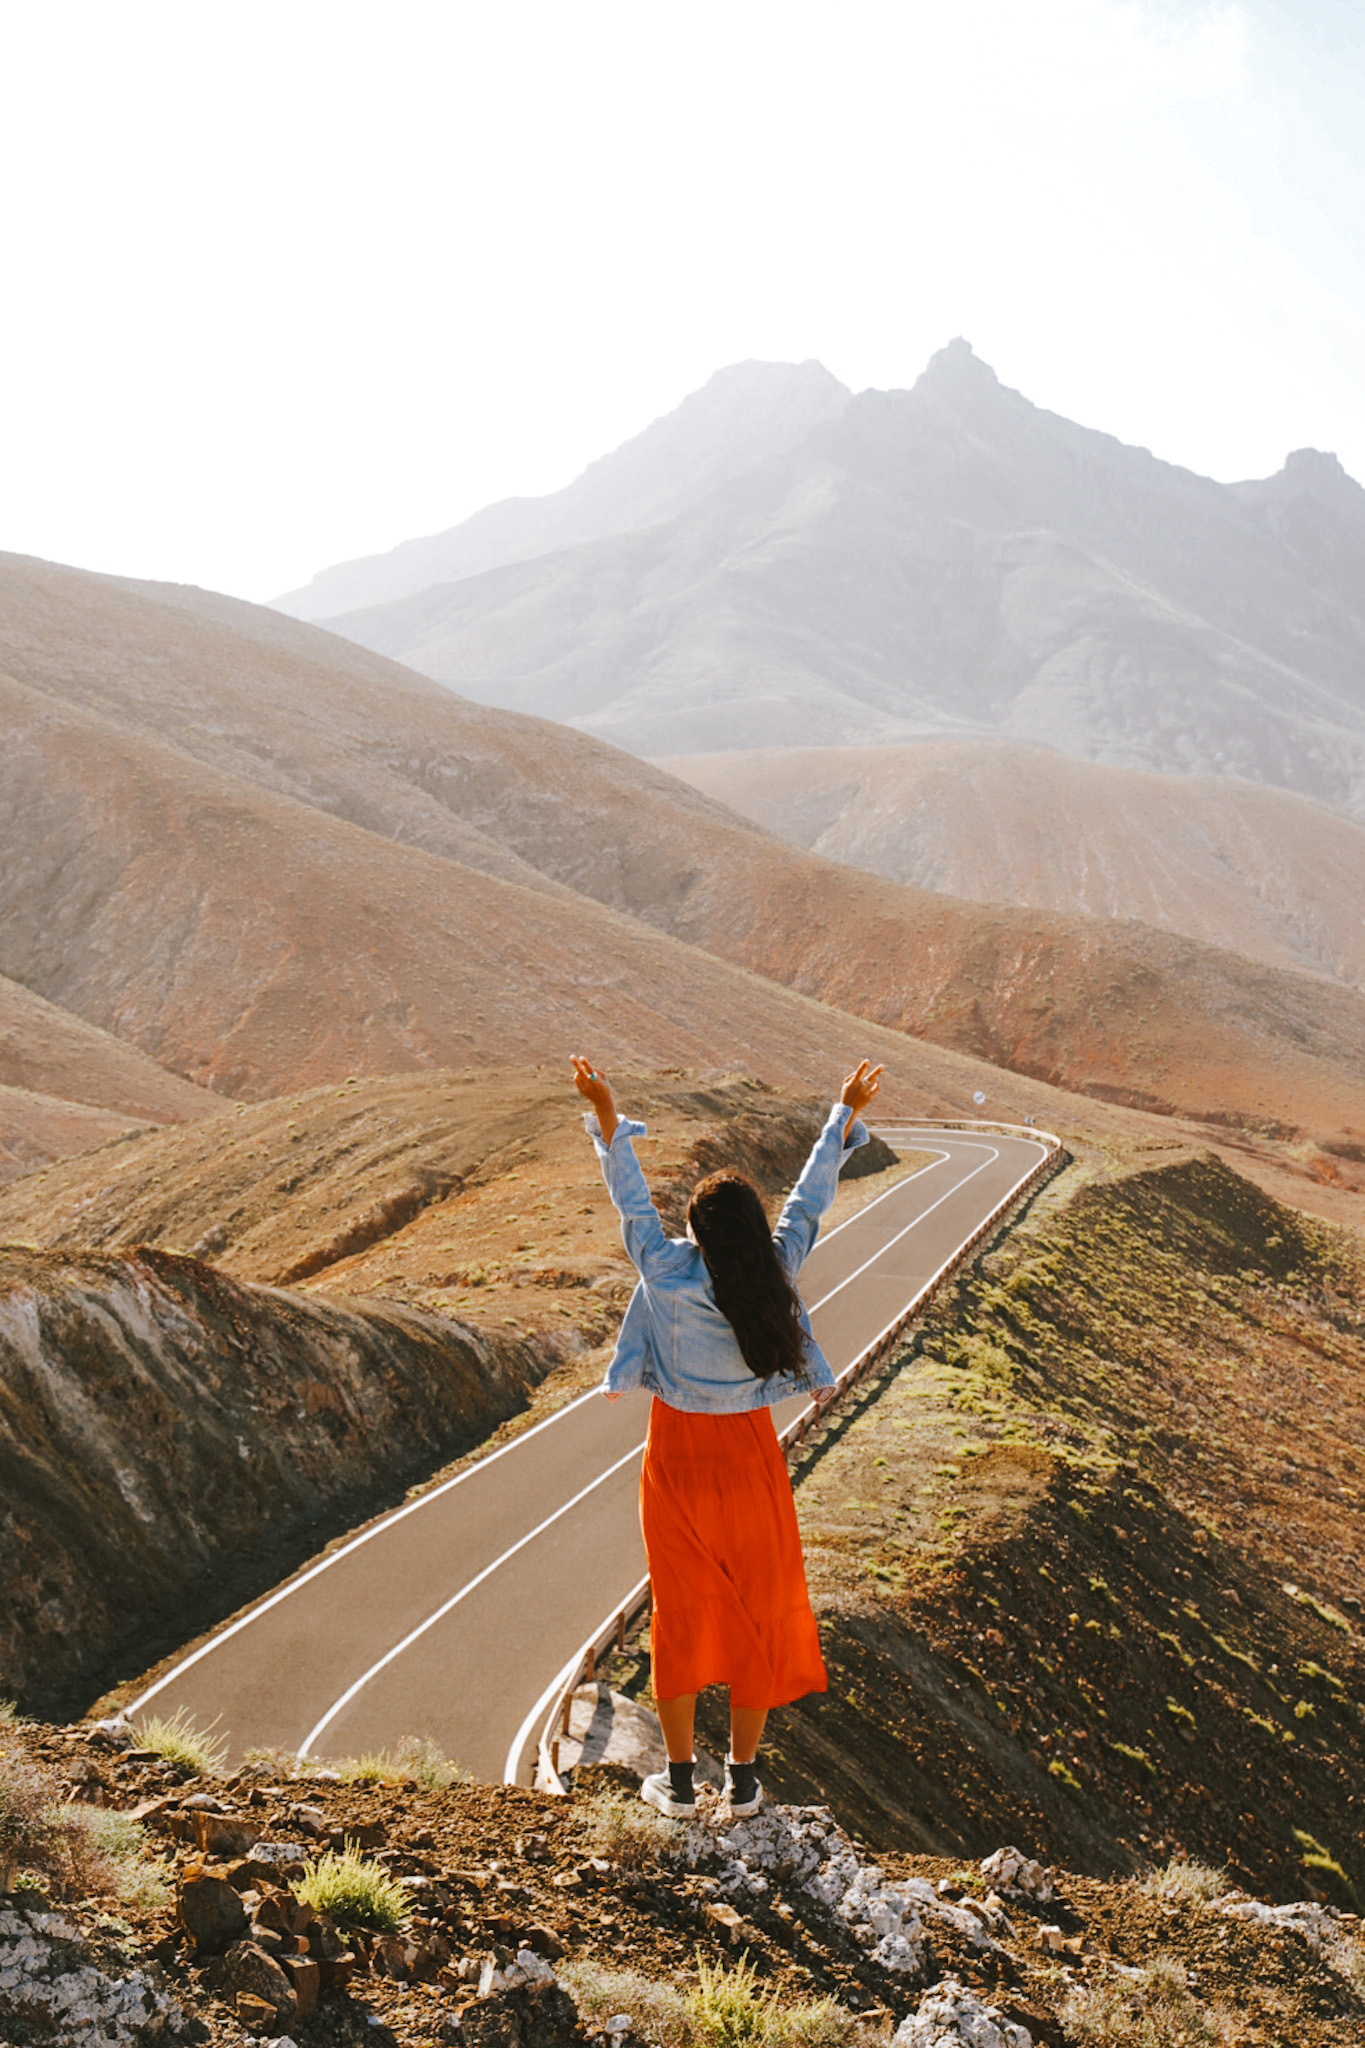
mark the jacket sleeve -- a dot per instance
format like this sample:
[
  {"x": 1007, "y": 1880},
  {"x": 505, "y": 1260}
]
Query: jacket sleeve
[
  {"x": 799, "y": 1224},
  {"x": 630, "y": 1360},
  {"x": 641, "y": 1231}
]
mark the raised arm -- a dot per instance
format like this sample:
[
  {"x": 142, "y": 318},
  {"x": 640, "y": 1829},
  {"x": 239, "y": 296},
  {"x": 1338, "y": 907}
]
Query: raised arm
[
  {"x": 799, "y": 1224},
  {"x": 641, "y": 1231}
]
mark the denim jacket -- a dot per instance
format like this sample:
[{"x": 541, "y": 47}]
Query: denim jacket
[{"x": 674, "y": 1341}]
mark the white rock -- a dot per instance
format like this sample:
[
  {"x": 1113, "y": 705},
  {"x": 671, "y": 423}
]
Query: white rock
[
  {"x": 1009, "y": 1870},
  {"x": 46, "y": 1974},
  {"x": 531, "y": 1968},
  {"x": 1317, "y": 1924},
  {"x": 950, "y": 2016}
]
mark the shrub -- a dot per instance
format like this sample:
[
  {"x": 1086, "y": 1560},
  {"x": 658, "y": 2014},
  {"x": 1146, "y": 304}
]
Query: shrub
[
  {"x": 354, "y": 1891},
  {"x": 1324, "y": 1864},
  {"x": 28, "y": 1835},
  {"x": 180, "y": 1742},
  {"x": 107, "y": 1851}
]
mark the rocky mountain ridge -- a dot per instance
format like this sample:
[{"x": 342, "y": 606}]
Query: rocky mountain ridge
[
  {"x": 944, "y": 560},
  {"x": 740, "y": 416}
]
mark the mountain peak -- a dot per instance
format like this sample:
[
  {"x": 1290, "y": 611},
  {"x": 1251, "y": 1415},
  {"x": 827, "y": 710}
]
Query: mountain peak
[
  {"x": 957, "y": 367},
  {"x": 1319, "y": 475}
]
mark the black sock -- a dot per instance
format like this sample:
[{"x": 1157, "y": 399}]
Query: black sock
[
  {"x": 744, "y": 1780},
  {"x": 680, "y": 1780}
]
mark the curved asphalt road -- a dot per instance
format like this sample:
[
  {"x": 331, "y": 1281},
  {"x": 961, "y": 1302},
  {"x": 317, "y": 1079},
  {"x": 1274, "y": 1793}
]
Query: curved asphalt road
[{"x": 449, "y": 1618}]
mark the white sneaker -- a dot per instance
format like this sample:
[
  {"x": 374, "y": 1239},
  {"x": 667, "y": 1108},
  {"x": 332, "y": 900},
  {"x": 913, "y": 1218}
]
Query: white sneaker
[
  {"x": 741, "y": 1808},
  {"x": 657, "y": 1791}
]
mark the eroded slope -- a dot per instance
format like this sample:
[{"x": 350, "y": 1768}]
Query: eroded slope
[{"x": 1089, "y": 1567}]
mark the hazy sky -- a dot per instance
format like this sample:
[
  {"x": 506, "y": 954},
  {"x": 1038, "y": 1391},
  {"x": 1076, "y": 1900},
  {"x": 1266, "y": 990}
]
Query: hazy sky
[{"x": 287, "y": 283}]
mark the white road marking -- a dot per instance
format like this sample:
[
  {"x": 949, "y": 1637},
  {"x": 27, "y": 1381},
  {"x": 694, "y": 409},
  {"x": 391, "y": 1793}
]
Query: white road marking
[
  {"x": 455, "y": 1599},
  {"x": 947, "y": 1195},
  {"x": 411, "y": 1507}
]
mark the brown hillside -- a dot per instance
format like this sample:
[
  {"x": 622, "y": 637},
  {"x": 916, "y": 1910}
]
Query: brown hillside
[
  {"x": 53, "y": 1053},
  {"x": 246, "y": 829},
  {"x": 473, "y": 1192},
  {"x": 35, "y": 1130},
  {"x": 1236, "y": 864},
  {"x": 246, "y": 940}
]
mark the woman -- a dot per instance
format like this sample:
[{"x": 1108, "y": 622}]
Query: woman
[{"x": 717, "y": 1333}]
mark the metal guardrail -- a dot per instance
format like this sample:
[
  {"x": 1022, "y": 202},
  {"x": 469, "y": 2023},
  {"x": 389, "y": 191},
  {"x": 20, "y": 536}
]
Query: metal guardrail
[{"x": 611, "y": 1633}]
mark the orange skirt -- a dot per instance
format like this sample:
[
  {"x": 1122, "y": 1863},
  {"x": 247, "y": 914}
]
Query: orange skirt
[{"x": 729, "y": 1586}]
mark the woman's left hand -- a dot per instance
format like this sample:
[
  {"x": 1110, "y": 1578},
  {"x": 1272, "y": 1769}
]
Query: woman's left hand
[{"x": 595, "y": 1088}]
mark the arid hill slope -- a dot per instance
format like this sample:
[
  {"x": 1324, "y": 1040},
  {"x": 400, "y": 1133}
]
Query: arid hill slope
[
  {"x": 36, "y": 1130},
  {"x": 174, "y": 1441},
  {"x": 52, "y": 1052},
  {"x": 270, "y": 859},
  {"x": 1232, "y": 863}
]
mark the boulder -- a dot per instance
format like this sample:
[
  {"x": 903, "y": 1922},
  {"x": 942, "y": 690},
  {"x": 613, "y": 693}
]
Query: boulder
[
  {"x": 247, "y": 1968},
  {"x": 211, "y": 1913}
]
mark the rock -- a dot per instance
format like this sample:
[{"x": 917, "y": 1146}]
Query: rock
[
  {"x": 370, "y": 1834},
  {"x": 529, "y": 2016},
  {"x": 727, "y": 1921},
  {"x": 545, "y": 1942},
  {"x": 394, "y": 1957},
  {"x": 247, "y": 1967},
  {"x": 1316, "y": 1924},
  {"x": 528, "y": 1969},
  {"x": 224, "y": 1835},
  {"x": 1011, "y": 1872},
  {"x": 271, "y": 1861},
  {"x": 49, "y": 1981},
  {"x": 1052, "y": 1939},
  {"x": 950, "y": 2016},
  {"x": 305, "y": 1976},
  {"x": 211, "y": 1913},
  {"x": 805, "y": 1844},
  {"x": 257, "y": 2015}
]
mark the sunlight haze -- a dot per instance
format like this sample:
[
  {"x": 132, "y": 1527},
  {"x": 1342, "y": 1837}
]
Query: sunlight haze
[{"x": 290, "y": 284}]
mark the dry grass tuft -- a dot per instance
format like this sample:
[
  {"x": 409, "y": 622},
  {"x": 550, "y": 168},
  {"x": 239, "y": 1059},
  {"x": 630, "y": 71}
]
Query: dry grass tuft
[
  {"x": 1182, "y": 1882},
  {"x": 1153, "y": 2009},
  {"x": 725, "y": 2009},
  {"x": 180, "y": 1742},
  {"x": 628, "y": 1832}
]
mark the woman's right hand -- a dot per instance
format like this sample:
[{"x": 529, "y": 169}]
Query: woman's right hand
[
  {"x": 860, "y": 1087},
  {"x": 595, "y": 1089}
]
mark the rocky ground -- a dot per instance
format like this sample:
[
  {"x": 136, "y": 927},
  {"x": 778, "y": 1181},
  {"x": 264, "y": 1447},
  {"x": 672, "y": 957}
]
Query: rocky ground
[{"x": 532, "y": 1922}]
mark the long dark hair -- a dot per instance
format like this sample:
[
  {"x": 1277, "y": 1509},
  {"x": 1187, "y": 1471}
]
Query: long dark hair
[{"x": 753, "y": 1293}]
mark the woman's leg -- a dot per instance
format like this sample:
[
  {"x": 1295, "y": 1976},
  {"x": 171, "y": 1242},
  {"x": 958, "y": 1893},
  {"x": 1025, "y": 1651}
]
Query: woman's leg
[
  {"x": 676, "y": 1718},
  {"x": 746, "y": 1732}
]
